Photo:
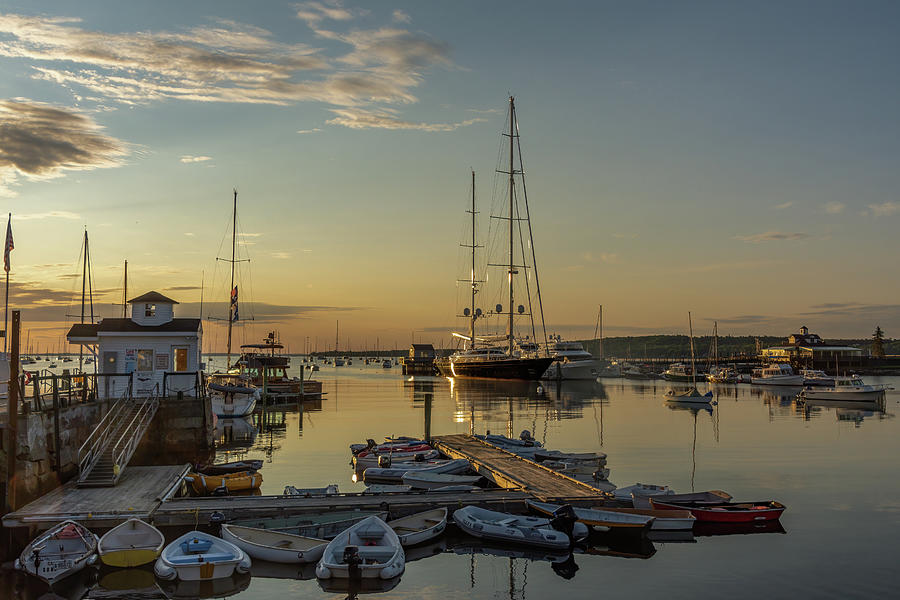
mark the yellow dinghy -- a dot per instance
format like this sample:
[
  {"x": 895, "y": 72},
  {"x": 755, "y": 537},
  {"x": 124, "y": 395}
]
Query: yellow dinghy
[
  {"x": 231, "y": 482},
  {"x": 131, "y": 544}
]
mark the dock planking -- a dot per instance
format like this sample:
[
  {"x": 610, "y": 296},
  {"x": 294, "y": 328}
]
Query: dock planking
[
  {"x": 511, "y": 471},
  {"x": 138, "y": 494}
]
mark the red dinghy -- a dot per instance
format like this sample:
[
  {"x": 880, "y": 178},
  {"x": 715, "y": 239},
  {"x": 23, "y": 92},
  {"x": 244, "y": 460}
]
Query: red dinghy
[{"x": 726, "y": 512}]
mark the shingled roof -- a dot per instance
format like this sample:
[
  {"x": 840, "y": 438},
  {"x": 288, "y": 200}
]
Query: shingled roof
[
  {"x": 87, "y": 330},
  {"x": 151, "y": 297}
]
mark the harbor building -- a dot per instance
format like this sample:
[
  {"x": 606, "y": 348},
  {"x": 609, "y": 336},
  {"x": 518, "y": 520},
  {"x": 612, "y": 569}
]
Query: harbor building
[
  {"x": 154, "y": 351},
  {"x": 805, "y": 349}
]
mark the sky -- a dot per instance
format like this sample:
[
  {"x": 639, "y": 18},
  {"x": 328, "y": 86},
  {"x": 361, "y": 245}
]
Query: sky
[{"x": 736, "y": 160}]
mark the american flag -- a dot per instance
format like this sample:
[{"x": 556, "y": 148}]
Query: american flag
[{"x": 9, "y": 244}]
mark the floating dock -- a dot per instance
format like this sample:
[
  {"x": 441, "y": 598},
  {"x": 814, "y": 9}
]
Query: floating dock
[{"x": 149, "y": 493}]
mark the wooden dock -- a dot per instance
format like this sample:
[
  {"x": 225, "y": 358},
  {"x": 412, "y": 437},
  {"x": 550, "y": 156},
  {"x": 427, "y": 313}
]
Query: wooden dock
[{"x": 511, "y": 471}]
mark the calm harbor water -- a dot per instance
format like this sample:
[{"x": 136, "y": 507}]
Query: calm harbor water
[{"x": 834, "y": 467}]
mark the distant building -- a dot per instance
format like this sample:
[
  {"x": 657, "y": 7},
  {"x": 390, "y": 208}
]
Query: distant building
[
  {"x": 805, "y": 348},
  {"x": 146, "y": 346},
  {"x": 420, "y": 360},
  {"x": 421, "y": 352}
]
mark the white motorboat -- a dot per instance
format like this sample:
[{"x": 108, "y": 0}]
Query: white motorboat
[
  {"x": 368, "y": 550},
  {"x": 232, "y": 400},
  {"x": 518, "y": 529},
  {"x": 595, "y": 517},
  {"x": 59, "y": 552},
  {"x": 395, "y": 474},
  {"x": 131, "y": 544},
  {"x": 775, "y": 374},
  {"x": 845, "y": 389},
  {"x": 427, "y": 480},
  {"x": 816, "y": 377},
  {"x": 723, "y": 375},
  {"x": 420, "y": 527},
  {"x": 571, "y": 361},
  {"x": 274, "y": 546},
  {"x": 198, "y": 556}
]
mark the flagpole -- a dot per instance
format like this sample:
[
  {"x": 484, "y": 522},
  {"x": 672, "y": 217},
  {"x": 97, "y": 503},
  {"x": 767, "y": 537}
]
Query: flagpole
[{"x": 6, "y": 268}]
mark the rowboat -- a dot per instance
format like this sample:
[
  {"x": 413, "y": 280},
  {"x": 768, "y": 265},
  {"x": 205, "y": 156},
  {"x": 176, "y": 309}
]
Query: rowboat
[
  {"x": 387, "y": 489},
  {"x": 420, "y": 527},
  {"x": 710, "y": 497},
  {"x": 59, "y": 552},
  {"x": 368, "y": 550},
  {"x": 395, "y": 449},
  {"x": 516, "y": 529},
  {"x": 395, "y": 474},
  {"x": 598, "y": 458},
  {"x": 131, "y": 544},
  {"x": 663, "y": 520},
  {"x": 641, "y": 489},
  {"x": 328, "y": 490},
  {"x": 596, "y": 517},
  {"x": 361, "y": 463},
  {"x": 726, "y": 512},
  {"x": 389, "y": 444},
  {"x": 197, "y": 555},
  {"x": 426, "y": 480},
  {"x": 320, "y": 525},
  {"x": 274, "y": 546},
  {"x": 233, "y": 482},
  {"x": 229, "y": 467}
]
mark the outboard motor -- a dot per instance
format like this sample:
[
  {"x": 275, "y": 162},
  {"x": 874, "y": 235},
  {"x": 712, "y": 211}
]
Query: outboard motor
[
  {"x": 384, "y": 461},
  {"x": 419, "y": 457},
  {"x": 352, "y": 560},
  {"x": 526, "y": 437},
  {"x": 564, "y": 520},
  {"x": 215, "y": 522}
]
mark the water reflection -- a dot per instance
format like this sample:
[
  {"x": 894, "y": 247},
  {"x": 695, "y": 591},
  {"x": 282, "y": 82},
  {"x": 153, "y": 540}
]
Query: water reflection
[
  {"x": 354, "y": 588},
  {"x": 853, "y": 412},
  {"x": 212, "y": 588}
]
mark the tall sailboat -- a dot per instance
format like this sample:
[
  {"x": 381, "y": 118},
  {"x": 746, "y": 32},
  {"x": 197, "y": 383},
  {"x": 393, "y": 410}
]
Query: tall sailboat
[
  {"x": 691, "y": 395},
  {"x": 519, "y": 359}
]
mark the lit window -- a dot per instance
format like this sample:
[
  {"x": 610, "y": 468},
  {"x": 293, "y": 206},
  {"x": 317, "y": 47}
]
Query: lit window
[
  {"x": 181, "y": 359},
  {"x": 144, "y": 360},
  {"x": 149, "y": 310}
]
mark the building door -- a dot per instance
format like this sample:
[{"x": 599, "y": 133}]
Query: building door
[
  {"x": 179, "y": 358},
  {"x": 110, "y": 365}
]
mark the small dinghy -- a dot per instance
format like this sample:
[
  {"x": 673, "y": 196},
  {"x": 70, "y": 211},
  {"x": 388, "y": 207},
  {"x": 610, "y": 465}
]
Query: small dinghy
[
  {"x": 368, "y": 550},
  {"x": 726, "y": 512},
  {"x": 420, "y": 527},
  {"x": 274, "y": 546},
  {"x": 329, "y": 490},
  {"x": 375, "y": 460},
  {"x": 224, "y": 484},
  {"x": 597, "y": 458},
  {"x": 596, "y": 518},
  {"x": 641, "y": 489},
  {"x": 229, "y": 467},
  {"x": 663, "y": 520},
  {"x": 131, "y": 544},
  {"x": 319, "y": 525},
  {"x": 387, "y": 489},
  {"x": 427, "y": 480},
  {"x": 395, "y": 474},
  {"x": 396, "y": 449},
  {"x": 232, "y": 400},
  {"x": 517, "y": 529},
  {"x": 389, "y": 443},
  {"x": 196, "y": 556},
  {"x": 59, "y": 552}
]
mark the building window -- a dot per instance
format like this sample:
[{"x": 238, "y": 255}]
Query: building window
[
  {"x": 181, "y": 359},
  {"x": 144, "y": 360},
  {"x": 149, "y": 310}
]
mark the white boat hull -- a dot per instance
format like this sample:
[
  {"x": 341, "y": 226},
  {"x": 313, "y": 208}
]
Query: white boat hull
[
  {"x": 778, "y": 380},
  {"x": 576, "y": 369},
  {"x": 411, "y": 538},
  {"x": 273, "y": 554},
  {"x": 173, "y": 565},
  {"x": 384, "y": 559},
  {"x": 241, "y": 406}
]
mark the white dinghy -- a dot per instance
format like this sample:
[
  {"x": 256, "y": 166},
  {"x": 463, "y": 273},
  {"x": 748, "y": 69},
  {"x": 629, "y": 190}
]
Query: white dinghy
[
  {"x": 518, "y": 529},
  {"x": 420, "y": 527},
  {"x": 274, "y": 546},
  {"x": 595, "y": 517},
  {"x": 131, "y": 544},
  {"x": 368, "y": 550},
  {"x": 395, "y": 474},
  {"x": 196, "y": 556},
  {"x": 427, "y": 480},
  {"x": 59, "y": 552}
]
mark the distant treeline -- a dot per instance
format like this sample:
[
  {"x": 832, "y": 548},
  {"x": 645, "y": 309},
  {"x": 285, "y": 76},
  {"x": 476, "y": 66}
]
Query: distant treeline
[{"x": 678, "y": 346}]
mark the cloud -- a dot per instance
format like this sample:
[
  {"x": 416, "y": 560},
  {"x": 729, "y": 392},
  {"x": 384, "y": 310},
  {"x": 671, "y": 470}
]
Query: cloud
[
  {"x": 883, "y": 210},
  {"x": 834, "y": 208},
  {"x": 742, "y": 319},
  {"x": 281, "y": 255},
  {"x": 181, "y": 288},
  {"x": 400, "y": 16},
  {"x": 730, "y": 266},
  {"x": 250, "y": 235},
  {"x": 358, "y": 118},
  {"x": 40, "y": 141},
  {"x": 316, "y": 12},
  {"x": 187, "y": 158},
  {"x": 313, "y": 130},
  {"x": 773, "y": 236},
  {"x": 610, "y": 258},
  {"x": 784, "y": 205},
  {"x": 267, "y": 313},
  {"x": 53, "y": 214},
  {"x": 189, "y": 233}
]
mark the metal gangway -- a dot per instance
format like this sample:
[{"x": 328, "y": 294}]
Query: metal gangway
[{"x": 105, "y": 454}]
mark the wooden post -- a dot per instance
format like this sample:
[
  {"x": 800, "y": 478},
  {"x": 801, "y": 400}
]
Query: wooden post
[{"x": 13, "y": 414}]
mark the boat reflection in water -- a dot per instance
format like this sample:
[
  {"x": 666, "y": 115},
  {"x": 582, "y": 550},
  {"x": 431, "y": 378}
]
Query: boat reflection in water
[
  {"x": 235, "y": 433},
  {"x": 269, "y": 570},
  {"x": 355, "y": 587},
  {"x": 706, "y": 529},
  {"x": 138, "y": 583},
  {"x": 211, "y": 588},
  {"x": 855, "y": 412}
]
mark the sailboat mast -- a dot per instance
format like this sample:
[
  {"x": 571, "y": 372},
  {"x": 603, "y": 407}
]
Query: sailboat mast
[
  {"x": 512, "y": 181},
  {"x": 693, "y": 366},
  {"x": 716, "y": 334},
  {"x": 472, "y": 318},
  {"x": 125, "y": 293},
  {"x": 231, "y": 289},
  {"x": 337, "y": 329},
  {"x": 83, "y": 284}
]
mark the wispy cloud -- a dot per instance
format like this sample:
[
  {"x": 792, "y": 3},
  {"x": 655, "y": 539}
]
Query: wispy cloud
[
  {"x": 773, "y": 236},
  {"x": 400, "y": 16},
  {"x": 358, "y": 118},
  {"x": 784, "y": 205},
  {"x": 189, "y": 233},
  {"x": 316, "y": 12},
  {"x": 744, "y": 265},
  {"x": 249, "y": 235},
  {"x": 40, "y": 141},
  {"x": 187, "y": 158},
  {"x": 313, "y": 130},
  {"x": 834, "y": 208},
  {"x": 281, "y": 255},
  {"x": 884, "y": 209},
  {"x": 52, "y": 214}
]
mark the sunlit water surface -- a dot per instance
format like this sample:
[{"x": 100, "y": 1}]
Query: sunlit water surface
[{"x": 835, "y": 468}]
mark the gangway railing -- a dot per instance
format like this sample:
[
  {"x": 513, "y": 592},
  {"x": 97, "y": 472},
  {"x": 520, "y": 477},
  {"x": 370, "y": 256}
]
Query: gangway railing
[
  {"x": 93, "y": 447},
  {"x": 132, "y": 433}
]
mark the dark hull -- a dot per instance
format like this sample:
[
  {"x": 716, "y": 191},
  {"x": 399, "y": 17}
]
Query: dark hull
[{"x": 510, "y": 368}]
